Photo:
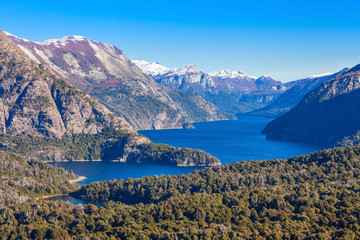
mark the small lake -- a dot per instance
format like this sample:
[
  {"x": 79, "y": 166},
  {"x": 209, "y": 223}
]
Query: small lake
[{"x": 230, "y": 141}]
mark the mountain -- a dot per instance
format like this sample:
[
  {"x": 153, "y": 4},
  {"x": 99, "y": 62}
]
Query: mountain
[
  {"x": 230, "y": 91},
  {"x": 326, "y": 115},
  {"x": 296, "y": 91},
  {"x": 43, "y": 117},
  {"x": 188, "y": 79},
  {"x": 103, "y": 71},
  {"x": 33, "y": 101}
]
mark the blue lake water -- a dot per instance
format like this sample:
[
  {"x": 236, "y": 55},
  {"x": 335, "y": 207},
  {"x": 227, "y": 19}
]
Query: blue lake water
[{"x": 230, "y": 141}]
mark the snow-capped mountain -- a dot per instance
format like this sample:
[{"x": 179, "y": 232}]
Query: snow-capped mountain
[
  {"x": 152, "y": 68},
  {"x": 106, "y": 73},
  {"x": 226, "y": 74},
  {"x": 224, "y": 88}
]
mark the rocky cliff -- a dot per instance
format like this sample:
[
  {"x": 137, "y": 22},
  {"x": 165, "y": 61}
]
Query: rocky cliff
[
  {"x": 103, "y": 71},
  {"x": 33, "y": 101},
  {"x": 326, "y": 115},
  {"x": 42, "y": 116}
]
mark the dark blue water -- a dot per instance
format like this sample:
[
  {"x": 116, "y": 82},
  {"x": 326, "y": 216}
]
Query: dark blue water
[
  {"x": 229, "y": 141},
  {"x": 74, "y": 201},
  {"x": 67, "y": 198}
]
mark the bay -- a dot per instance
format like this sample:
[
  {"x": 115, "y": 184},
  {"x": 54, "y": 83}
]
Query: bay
[{"x": 230, "y": 141}]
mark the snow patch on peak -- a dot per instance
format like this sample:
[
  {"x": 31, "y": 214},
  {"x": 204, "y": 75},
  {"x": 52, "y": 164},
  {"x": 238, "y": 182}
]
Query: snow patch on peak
[
  {"x": 188, "y": 69},
  {"x": 9, "y": 34},
  {"x": 320, "y": 75},
  {"x": 64, "y": 40},
  {"x": 151, "y": 68},
  {"x": 228, "y": 74},
  {"x": 13, "y": 36}
]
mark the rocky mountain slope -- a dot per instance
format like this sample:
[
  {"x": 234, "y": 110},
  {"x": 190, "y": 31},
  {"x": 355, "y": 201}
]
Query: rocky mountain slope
[
  {"x": 326, "y": 115},
  {"x": 43, "y": 116},
  {"x": 230, "y": 91},
  {"x": 296, "y": 91},
  {"x": 103, "y": 71},
  {"x": 33, "y": 101}
]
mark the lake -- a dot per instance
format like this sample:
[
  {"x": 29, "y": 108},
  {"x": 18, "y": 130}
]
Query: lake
[{"x": 230, "y": 141}]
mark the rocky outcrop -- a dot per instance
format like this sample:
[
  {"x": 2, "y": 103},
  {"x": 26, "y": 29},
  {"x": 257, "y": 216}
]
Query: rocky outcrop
[
  {"x": 33, "y": 101},
  {"x": 103, "y": 71},
  {"x": 326, "y": 115}
]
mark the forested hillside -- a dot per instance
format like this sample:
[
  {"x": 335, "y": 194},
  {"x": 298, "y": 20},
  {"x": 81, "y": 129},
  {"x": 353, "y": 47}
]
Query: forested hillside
[{"x": 315, "y": 196}]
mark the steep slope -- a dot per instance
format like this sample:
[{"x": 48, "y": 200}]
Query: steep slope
[
  {"x": 326, "y": 115},
  {"x": 43, "y": 116},
  {"x": 103, "y": 71},
  {"x": 33, "y": 101},
  {"x": 296, "y": 91},
  {"x": 230, "y": 91}
]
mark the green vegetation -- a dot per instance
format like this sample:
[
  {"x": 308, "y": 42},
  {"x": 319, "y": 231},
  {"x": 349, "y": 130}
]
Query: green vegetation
[
  {"x": 20, "y": 176},
  {"x": 307, "y": 197},
  {"x": 110, "y": 144},
  {"x": 163, "y": 153},
  {"x": 107, "y": 144}
]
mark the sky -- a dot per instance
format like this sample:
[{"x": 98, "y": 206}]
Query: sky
[{"x": 286, "y": 40}]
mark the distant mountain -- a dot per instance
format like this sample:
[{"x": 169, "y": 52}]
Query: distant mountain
[
  {"x": 103, "y": 71},
  {"x": 43, "y": 117},
  {"x": 296, "y": 91},
  {"x": 151, "y": 68},
  {"x": 327, "y": 115},
  {"x": 230, "y": 91}
]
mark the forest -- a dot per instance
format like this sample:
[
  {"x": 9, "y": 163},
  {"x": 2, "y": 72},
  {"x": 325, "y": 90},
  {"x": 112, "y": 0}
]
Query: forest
[
  {"x": 315, "y": 196},
  {"x": 108, "y": 145}
]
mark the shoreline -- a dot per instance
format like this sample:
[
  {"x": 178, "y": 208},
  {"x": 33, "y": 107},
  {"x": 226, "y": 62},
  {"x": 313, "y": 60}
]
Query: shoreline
[{"x": 79, "y": 179}]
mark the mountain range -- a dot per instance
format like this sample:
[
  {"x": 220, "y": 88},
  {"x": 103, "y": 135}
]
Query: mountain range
[
  {"x": 103, "y": 71},
  {"x": 231, "y": 91},
  {"x": 326, "y": 115},
  {"x": 296, "y": 91},
  {"x": 44, "y": 117}
]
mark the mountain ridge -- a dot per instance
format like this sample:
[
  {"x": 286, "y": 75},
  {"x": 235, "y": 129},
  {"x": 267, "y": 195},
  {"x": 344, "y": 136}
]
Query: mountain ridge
[
  {"x": 296, "y": 91},
  {"x": 44, "y": 117},
  {"x": 230, "y": 91},
  {"x": 326, "y": 115},
  {"x": 103, "y": 71}
]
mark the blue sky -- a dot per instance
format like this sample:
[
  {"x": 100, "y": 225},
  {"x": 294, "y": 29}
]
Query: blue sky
[{"x": 284, "y": 39}]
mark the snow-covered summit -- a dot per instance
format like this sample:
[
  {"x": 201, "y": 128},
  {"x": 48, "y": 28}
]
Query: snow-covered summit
[
  {"x": 64, "y": 40},
  {"x": 224, "y": 74},
  {"x": 320, "y": 75},
  {"x": 19, "y": 38},
  {"x": 188, "y": 69},
  {"x": 151, "y": 68}
]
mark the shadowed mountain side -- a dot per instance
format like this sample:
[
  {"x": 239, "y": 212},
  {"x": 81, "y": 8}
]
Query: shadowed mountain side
[{"x": 326, "y": 115}]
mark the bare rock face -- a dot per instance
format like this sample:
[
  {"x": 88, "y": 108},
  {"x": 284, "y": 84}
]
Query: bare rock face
[
  {"x": 103, "y": 71},
  {"x": 34, "y": 101}
]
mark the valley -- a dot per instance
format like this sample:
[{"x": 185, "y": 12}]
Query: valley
[{"x": 94, "y": 145}]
